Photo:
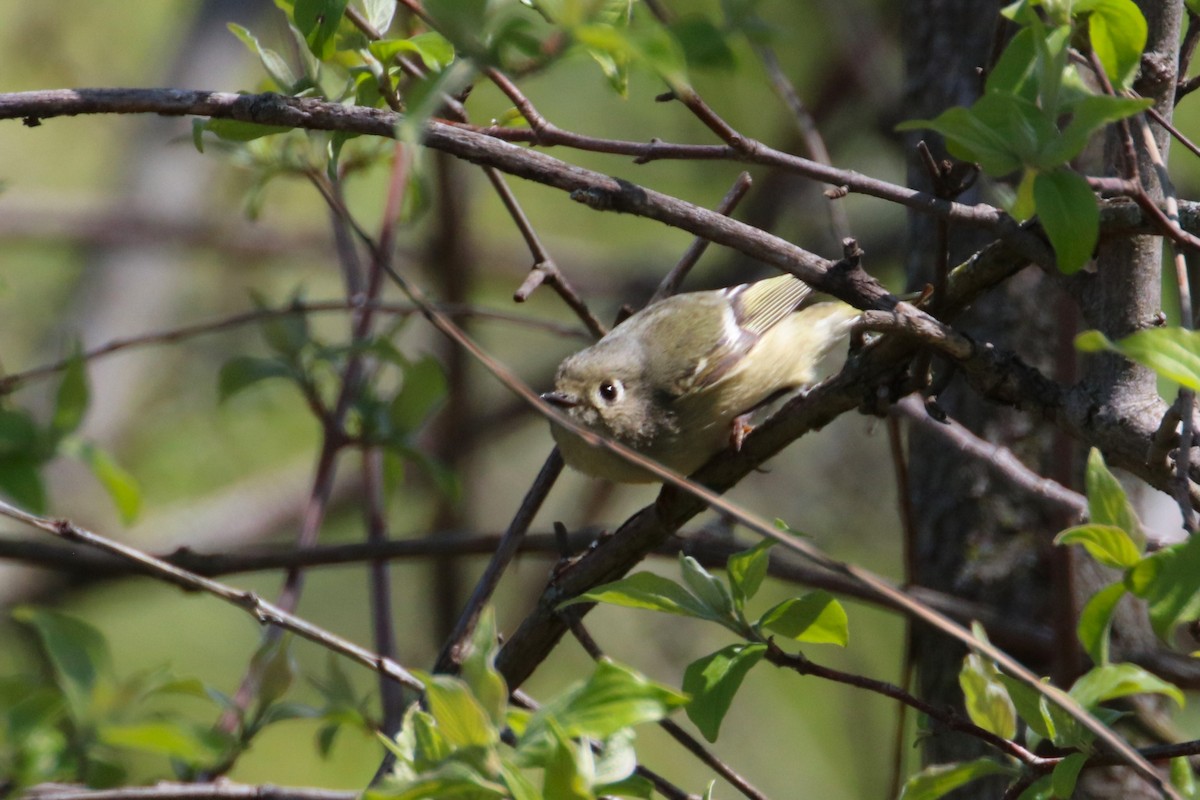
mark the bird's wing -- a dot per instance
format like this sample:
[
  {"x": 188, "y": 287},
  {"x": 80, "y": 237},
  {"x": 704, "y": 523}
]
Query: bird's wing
[
  {"x": 755, "y": 308},
  {"x": 760, "y": 306}
]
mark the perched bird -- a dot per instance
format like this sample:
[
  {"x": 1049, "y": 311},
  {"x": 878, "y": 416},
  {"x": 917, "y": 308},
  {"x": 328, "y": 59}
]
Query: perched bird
[{"x": 675, "y": 380}]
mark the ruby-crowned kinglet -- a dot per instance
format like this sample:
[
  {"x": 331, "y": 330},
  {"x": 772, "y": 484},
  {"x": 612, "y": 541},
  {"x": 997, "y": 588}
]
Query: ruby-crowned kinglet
[{"x": 672, "y": 380}]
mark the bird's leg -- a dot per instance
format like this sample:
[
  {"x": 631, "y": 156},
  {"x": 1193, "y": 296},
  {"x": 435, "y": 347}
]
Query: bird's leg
[{"x": 740, "y": 428}]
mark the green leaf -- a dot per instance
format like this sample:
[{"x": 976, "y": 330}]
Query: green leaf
[
  {"x": 1169, "y": 581},
  {"x": 615, "y": 69},
  {"x": 614, "y": 697},
  {"x": 1089, "y": 115},
  {"x": 1173, "y": 353},
  {"x": 1030, "y": 704},
  {"x": 272, "y": 62},
  {"x": 1041, "y": 789},
  {"x": 232, "y": 130},
  {"x": 18, "y": 434},
  {"x": 286, "y": 334},
  {"x": 616, "y": 760},
  {"x": 566, "y": 774},
  {"x": 459, "y": 715},
  {"x": 704, "y": 45},
  {"x": 71, "y": 401},
  {"x": 1052, "y": 46},
  {"x": 1110, "y": 681},
  {"x": 660, "y": 51},
  {"x": 420, "y": 745},
  {"x": 646, "y": 590},
  {"x": 282, "y": 712},
  {"x": 242, "y": 371},
  {"x": 712, "y": 682},
  {"x": 1095, "y": 621},
  {"x": 77, "y": 651},
  {"x": 816, "y": 618},
  {"x": 435, "y": 50},
  {"x": 1118, "y": 32},
  {"x": 432, "y": 48},
  {"x": 445, "y": 479},
  {"x": 1068, "y": 212},
  {"x": 941, "y": 779},
  {"x": 1182, "y": 777},
  {"x": 325, "y": 737},
  {"x": 1066, "y": 773},
  {"x": 633, "y": 786},
  {"x": 21, "y": 482},
  {"x": 479, "y": 668},
  {"x": 466, "y": 23},
  {"x": 1023, "y": 205},
  {"x": 379, "y": 13},
  {"x": 707, "y": 588},
  {"x": 1108, "y": 544},
  {"x": 970, "y": 138},
  {"x": 987, "y": 701},
  {"x": 1014, "y": 70},
  {"x": 423, "y": 389},
  {"x": 318, "y": 21},
  {"x": 747, "y": 570},
  {"x": 454, "y": 779},
  {"x": 1107, "y": 502},
  {"x": 521, "y": 787},
  {"x": 172, "y": 739},
  {"x": 273, "y": 665},
  {"x": 122, "y": 487}
]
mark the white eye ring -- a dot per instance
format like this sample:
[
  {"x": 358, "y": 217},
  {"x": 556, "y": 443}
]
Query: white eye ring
[{"x": 610, "y": 391}]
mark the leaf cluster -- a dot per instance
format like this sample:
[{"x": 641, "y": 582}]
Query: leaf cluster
[
  {"x": 388, "y": 407},
  {"x": 712, "y": 681},
  {"x": 1168, "y": 580},
  {"x": 27, "y": 446},
  {"x": 1037, "y": 113},
  {"x": 470, "y": 743}
]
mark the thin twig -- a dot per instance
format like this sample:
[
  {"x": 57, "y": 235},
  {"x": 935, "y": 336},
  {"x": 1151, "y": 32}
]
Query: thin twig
[
  {"x": 672, "y": 280},
  {"x": 947, "y": 717},
  {"x": 810, "y": 134},
  {"x": 451, "y": 656},
  {"x": 9, "y": 383},
  {"x": 265, "y": 612},
  {"x": 1002, "y": 461},
  {"x": 382, "y": 622}
]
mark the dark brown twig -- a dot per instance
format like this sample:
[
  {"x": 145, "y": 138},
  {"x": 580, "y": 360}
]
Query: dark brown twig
[{"x": 946, "y": 717}]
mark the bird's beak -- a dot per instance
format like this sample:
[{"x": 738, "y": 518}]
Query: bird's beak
[{"x": 560, "y": 399}]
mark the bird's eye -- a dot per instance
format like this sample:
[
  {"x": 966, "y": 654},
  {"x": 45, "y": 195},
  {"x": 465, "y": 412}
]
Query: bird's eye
[{"x": 610, "y": 390}]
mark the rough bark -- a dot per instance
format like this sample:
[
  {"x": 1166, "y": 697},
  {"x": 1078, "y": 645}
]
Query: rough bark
[{"x": 973, "y": 536}]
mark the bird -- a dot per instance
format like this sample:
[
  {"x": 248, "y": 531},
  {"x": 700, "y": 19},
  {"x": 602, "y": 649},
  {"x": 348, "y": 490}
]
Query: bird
[{"x": 677, "y": 380}]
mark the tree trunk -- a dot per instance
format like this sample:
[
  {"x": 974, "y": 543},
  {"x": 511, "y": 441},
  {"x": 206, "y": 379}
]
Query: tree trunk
[{"x": 974, "y": 536}]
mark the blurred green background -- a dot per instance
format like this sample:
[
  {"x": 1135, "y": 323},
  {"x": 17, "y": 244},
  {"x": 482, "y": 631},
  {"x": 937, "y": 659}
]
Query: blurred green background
[{"x": 115, "y": 226}]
